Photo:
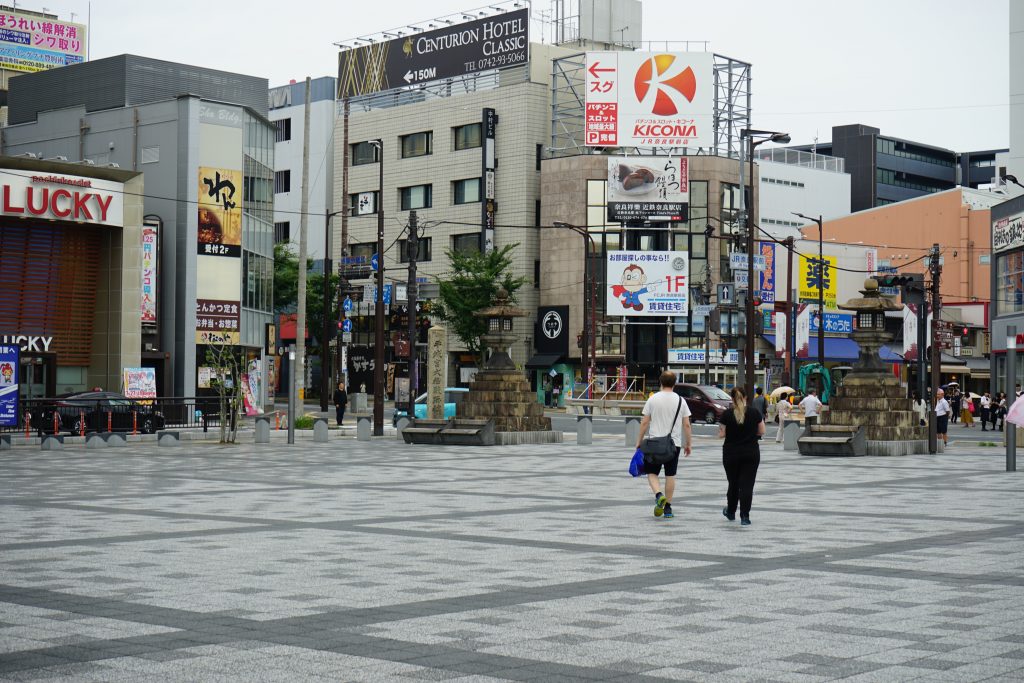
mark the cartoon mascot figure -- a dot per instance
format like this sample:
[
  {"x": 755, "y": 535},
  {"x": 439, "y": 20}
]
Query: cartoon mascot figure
[
  {"x": 7, "y": 373},
  {"x": 632, "y": 285}
]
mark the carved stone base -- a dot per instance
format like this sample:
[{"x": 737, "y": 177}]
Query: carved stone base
[{"x": 506, "y": 397}]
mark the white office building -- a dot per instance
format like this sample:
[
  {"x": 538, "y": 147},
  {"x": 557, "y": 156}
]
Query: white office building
[{"x": 794, "y": 181}]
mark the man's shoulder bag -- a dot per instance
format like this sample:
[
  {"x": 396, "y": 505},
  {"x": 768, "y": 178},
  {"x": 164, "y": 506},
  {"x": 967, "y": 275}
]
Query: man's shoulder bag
[{"x": 659, "y": 450}]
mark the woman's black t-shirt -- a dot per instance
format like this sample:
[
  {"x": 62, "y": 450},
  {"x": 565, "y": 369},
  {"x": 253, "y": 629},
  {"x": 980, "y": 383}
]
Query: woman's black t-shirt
[{"x": 741, "y": 438}]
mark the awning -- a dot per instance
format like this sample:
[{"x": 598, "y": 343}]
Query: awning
[
  {"x": 287, "y": 324},
  {"x": 890, "y": 355},
  {"x": 543, "y": 361},
  {"x": 836, "y": 348}
]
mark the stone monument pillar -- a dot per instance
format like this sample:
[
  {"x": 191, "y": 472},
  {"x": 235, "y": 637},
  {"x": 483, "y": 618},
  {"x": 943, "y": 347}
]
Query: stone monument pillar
[{"x": 437, "y": 374}]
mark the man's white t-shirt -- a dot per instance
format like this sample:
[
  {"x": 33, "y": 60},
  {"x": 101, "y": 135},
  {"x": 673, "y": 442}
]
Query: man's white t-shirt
[
  {"x": 811, "y": 405},
  {"x": 942, "y": 407},
  {"x": 986, "y": 402},
  {"x": 661, "y": 407}
]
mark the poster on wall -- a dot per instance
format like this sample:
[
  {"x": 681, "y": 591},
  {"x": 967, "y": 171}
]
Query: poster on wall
[
  {"x": 220, "y": 211},
  {"x": 803, "y": 331},
  {"x": 138, "y": 382},
  {"x": 149, "y": 274},
  {"x": 10, "y": 368},
  {"x": 811, "y": 273},
  {"x": 648, "y": 188},
  {"x": 766, "y": 277},
  {"x": 781, "y": 335},
  {"x": 648, "y": 283}
]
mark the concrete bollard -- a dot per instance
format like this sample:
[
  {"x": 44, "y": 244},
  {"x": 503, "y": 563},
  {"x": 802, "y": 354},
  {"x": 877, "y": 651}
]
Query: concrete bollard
[
  {"x": 402, "y": 423},
  {"x": 168, "y": 438},
  {"x": 790, "y": 433},
  {"x": 52, "y": 442},
  {"x": 263, "y": 428},
  {"x": 584, "y": 430},
  {"x": 5, "y": 442},
  {"x": 114, "y": 439},
  {"x": 320, "y": 430},
  {"x": 93, "y": 441},
  {"x": 357, "y": 402},
  {"x": 632, "y": 430},
  {"x": 364, "y": 427}
]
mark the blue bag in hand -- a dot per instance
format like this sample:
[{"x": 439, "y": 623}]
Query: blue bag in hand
[{"x": 636, "y": 465}]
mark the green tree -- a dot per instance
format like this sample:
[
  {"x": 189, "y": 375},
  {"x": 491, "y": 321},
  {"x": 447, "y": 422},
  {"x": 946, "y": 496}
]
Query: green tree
[
  {"x": 286, "y": 278},
  {"x": 474, "y": 279},
  {"x": 286, "y": 290}
]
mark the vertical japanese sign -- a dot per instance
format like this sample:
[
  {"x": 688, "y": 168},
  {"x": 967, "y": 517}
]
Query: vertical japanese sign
[
  {"x": 217, "y": 321},
  {"x": 781, "y": 335},
  {"x": 871, "y": 261},
  {"x": 488, "y": 207},
  {"x": 803, "y": 331},
  {"x": 36, "y": 43},
  {"x": 220, "y": 211},
  {"x": 149, "y": 272},
  {"x": 437, "y": 374},
  {"x": 646, "y": 99},
  {"x": 648, "y": 188},
  {"x": 812, "y": 272},
  {"x": 766, "y": 277},
  {"x": 10, "y": 358},
  {"x": 909, "y": 332}
]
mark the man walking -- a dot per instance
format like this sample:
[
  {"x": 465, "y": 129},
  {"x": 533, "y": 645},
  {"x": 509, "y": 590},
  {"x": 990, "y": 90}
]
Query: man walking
[
  {"x": 942, "y": 416},
  {"x": 760, "y": 402},
  {"x": 986, "y": 408},
  {"x": 340, "y": 402},
  {"x": 811, "y": 406},
  {"x": 665, "y": 413}
]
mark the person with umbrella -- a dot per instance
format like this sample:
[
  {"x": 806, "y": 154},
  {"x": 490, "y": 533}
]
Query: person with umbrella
[{"x": 784, "y": 408}]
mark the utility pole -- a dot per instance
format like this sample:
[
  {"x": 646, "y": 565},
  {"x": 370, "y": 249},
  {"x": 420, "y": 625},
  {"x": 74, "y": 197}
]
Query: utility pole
[
  {"x": 936, "y": 271},
  {"x": 707, "y": 319},
  {"x": 790, "y": 310},
  {"x": 379, "y": 342},
  {"x": 300, "y": 316},
  {"x": 413, "y": 245},
  {"x": 345, "y": 211}
]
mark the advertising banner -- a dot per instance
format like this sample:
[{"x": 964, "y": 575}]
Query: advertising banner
[
  {"x": 811, "y": 273},
  {"x": 489, "y": 206},
  {"x": 648, "y": 283},
  {"x": 149, "y": 266},
  {"x": 553, "y": 332},
  {"x": 217, "y": 321},
  {"x": 803, "y": 330},
  {"x": 648, "y": 188},
  {"x": 1008, "y": 233},
  {"x": 696, "y": 357},
  {"x": 493, "y": 42},
  {"x": 220, "y": 211},
  {"x": 62, "y": 197},
  {"x": 31, "y": 43},
  {"x": 10, "y": 369},
  {"x": 781, "y": 335},
  {"x": 871, "y": 261},
  {"x": 909, "y": 332},
  {"x": 138, "y": 382},
  {"x": 646, "y": 99},
  {"x": 766, "y": 277},
  {"x": 252, "y": 386}
]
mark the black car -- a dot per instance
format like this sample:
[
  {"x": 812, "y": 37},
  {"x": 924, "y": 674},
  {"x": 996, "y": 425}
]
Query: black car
[{"x": 97, "y": 411}]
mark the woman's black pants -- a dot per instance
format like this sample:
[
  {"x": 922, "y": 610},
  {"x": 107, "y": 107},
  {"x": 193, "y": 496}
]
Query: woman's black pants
[{"x": 741, "y": 469}]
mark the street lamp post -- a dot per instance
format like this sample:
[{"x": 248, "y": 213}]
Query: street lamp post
[
  {"x": 589, "y": 276},
  {"x": 748, "y": 352},
  {"x": 378, "y": 336},
  {"x": 821, "y": 290},
  {"x": 325, "y": 356}
]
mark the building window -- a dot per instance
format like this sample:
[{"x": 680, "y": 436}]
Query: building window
[
  {"x": 536, "y": 274},
  {"x": 1009, "y": 294},
  {"x": 362, "y": 203},
  {"x": 540, "y": 156},
  {"x": 364, "y": 153},
  {"x": 417, "y": 144},
  {"x": 415, "y": 197},
  {"x": 284, "y": 130},
  {"x": 466, "y": 191},
  {"x": 422, "y": 253},
  {"x": 282, "y": 231},
  {"x": 469, "y": 242},
  {"x": 364, "y": 250},
  {"x": 150, "y": 155},
  {"x": 282, "y": 181},
  {"x": 466, "y": 137}
]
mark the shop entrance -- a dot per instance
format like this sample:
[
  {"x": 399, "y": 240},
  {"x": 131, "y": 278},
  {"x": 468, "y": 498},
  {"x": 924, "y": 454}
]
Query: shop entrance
[{"x": 38, "y": 375}]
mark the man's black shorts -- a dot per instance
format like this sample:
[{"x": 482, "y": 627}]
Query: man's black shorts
[
  {"x": 941, "y": 424},
  {"x": 670, "y": 466}
]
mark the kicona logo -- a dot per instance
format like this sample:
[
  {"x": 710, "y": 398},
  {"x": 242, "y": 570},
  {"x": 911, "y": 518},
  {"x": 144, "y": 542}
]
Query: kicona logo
[{"x": 664, "y": 80}]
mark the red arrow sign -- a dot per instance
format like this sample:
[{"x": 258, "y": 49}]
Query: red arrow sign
[{"x": 593, "y": 70}]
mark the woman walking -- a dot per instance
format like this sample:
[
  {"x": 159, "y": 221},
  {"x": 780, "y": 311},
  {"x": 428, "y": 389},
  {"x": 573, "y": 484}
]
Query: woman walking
[
  {"x": 967, "y": 412},
  {"x": 784, "y": 408},
  {"x": 742, "y": 427}
]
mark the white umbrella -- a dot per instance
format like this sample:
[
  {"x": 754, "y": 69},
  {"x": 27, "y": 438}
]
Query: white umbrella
[
  {"x": 782, "y": 390},
  {"x": 1015, "y": 415}
]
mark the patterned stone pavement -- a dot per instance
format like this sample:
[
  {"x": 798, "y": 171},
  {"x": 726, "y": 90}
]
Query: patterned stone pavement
[{"x": 367, "y": 562}]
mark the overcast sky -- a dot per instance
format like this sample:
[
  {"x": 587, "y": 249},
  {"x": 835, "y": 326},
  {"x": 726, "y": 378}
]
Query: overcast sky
[{"x": 934, "y": 71}]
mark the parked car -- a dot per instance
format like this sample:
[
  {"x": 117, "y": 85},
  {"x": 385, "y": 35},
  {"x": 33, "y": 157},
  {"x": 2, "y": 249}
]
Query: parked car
[
  {"x": 706, "y": 403},
  {"x": 94, "y": 407},
  {"x": 452, "y": 398}
]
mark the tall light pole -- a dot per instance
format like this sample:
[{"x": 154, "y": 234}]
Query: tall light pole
[
  {"x": 821, "y": 290},
  {"x": 765, "y": 136},
  {"x": 588, "y": 240},
  {"x": 378, "y": 310}
]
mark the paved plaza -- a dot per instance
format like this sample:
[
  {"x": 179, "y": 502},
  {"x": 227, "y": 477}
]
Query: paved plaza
[{"x": 351, "y": 561}]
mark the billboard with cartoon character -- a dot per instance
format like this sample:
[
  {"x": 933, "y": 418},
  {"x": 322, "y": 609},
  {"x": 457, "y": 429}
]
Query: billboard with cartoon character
[
  {"x": 648, "y": 283},
  {"x": 10, "y": 356}
]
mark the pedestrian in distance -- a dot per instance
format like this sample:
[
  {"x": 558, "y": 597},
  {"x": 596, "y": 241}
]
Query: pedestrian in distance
[
  {"x": 664, "y": 413},
  {"x": 920, "y": 409},
  {"x": 1000, "y": 412},
  {"x": 954, "y": 397},
  {"x": 986, "y": 410},
  {"x": 340, "y": 402},
  {"x": 942, "y": 416},
  {"x": 760, "y": 402},
  {"x": 742, "y": 428},
  {"x": 811, "y": 407},
  {"x": 784, "y": 409},
  {"x": 967, "y": 412}
]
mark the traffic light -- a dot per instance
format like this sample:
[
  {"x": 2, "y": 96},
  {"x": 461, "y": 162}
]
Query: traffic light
[
  {"x": 340, "y": 324},
  {"x": 964, "y": 332},
  {"x": 757, "y": 301}
]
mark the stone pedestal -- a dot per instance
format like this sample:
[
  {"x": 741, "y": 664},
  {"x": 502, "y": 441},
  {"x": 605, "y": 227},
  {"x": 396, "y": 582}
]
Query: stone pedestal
[
  {"x": 505, "y": 397},
  {"x": 878, "y": 403},
  {"x": 584, "y": 430}
]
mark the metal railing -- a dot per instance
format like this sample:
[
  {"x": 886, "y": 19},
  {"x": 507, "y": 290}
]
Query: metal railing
[
  {"x": 82, "y": 416},
  {"x": 799, "y": 157}
]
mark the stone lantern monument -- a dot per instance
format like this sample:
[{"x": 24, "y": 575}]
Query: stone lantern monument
[{"x": 870, "y": 413}]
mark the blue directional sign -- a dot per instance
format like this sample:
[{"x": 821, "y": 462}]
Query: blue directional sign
[
  {"x": 346, "y": 325},
  {"x": 373, "y": 262},
  {"x": 347, "y": 305},
  {"x": 387, "y": 294}
]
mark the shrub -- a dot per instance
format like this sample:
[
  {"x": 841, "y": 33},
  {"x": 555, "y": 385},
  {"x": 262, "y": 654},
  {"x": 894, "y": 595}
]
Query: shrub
[{"x": 304, "y": 422}]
